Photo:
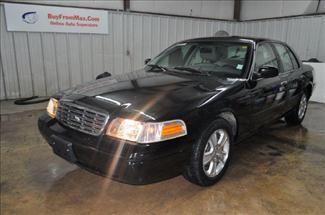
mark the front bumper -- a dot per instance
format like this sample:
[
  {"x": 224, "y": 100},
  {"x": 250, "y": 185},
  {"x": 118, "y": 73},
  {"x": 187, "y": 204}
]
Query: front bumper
[{"x": 120, "y": 160}]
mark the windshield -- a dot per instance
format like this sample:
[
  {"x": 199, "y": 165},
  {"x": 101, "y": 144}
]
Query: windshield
[{"x": 227, "y": 59}]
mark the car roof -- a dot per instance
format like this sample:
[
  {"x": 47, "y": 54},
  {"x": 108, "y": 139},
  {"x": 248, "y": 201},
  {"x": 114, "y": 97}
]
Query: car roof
[{"x": 231, "y": 39}]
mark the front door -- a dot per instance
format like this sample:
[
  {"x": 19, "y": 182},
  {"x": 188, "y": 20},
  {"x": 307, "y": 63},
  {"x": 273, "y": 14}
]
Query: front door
[{"x": 267, "y": 97}]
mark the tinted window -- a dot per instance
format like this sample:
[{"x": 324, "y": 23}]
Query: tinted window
[
  {"x": 293, "y": 59},
  {"x": 175, "y": 56},
  {"x": 284, "y": 57},
  {"x": 226, "y": 59},
  {"x": 265, "y": 57}
]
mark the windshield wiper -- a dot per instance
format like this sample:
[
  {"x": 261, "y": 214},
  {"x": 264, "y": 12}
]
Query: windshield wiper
[
  {"x": 155, "y": 66},
  {"x": 190, "y": 69}
]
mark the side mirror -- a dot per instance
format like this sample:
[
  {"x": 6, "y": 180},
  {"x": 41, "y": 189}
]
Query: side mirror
[
  {"x": 267, "y": 72},
  {"x": 103, "y": 75},
  {"x": 146, "y": 61}
]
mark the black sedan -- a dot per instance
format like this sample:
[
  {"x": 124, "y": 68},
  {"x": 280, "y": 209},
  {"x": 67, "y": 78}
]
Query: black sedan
[{"x": 181, "y": 113}]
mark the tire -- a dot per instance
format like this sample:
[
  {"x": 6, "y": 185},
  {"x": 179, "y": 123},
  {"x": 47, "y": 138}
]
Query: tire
[
  {"x": 297, "y": 114},
  {"x": 202, "y": 152}
]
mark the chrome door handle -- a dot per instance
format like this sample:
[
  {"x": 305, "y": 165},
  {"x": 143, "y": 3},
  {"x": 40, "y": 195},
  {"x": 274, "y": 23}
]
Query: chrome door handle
[{"x": 284, "y": 83}]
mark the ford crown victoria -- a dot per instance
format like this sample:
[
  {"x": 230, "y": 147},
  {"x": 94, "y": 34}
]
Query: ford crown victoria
[{"x": 182, "y": 113}]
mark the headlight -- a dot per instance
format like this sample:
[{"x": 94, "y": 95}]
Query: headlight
[
  {"x": 52, "y": 107},
  {"x": 146, "y": 132}
]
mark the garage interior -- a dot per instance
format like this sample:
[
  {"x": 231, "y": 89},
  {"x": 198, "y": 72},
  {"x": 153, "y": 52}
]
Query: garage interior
[{"x": 279, "y": 170}]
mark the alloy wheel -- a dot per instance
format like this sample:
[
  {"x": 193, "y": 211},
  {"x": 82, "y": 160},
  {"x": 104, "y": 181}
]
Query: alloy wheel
[
  {"x": 302, "y": 106},
  {"x": 216, "y": 153}
]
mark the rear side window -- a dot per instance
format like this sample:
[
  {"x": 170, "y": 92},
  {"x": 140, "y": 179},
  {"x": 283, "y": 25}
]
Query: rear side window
[
  {"x": 293, "y": 59},
  {"x": 284, "y": 54},
  {"x": 265, "y": 57}
]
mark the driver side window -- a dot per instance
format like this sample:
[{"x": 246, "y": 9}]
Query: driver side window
[{"x": 265, "y": 57}]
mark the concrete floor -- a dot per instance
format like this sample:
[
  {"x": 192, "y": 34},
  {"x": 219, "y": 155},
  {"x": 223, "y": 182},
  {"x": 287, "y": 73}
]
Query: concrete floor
[{"x": 281, "y": 170}]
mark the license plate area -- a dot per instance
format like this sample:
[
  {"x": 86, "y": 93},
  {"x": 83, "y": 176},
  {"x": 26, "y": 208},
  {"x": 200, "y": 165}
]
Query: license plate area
[{"x": 63, "y": 149}]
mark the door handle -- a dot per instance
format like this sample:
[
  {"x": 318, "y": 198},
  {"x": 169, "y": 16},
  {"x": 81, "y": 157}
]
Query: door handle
[{"x": 284, "y": 83}]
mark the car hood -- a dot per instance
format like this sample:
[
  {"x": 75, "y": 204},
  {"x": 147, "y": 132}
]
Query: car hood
[{"x": 147, "y": 95}]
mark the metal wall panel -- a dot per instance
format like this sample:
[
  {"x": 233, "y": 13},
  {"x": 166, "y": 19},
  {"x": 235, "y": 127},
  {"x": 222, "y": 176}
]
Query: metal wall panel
[
  {"x": 253, "y": 9},
  {"x": 60, "y": 43},
  {"x": 73, "y": 65},
  {"x": 2, "y": 85},
  {"x": 23, "y": 64},
  {"x": 103, "y": 4},
  {"x": 220, "y": 9},
  {"x": 50, "y": 62},
  {"x": 306, "y": 35},
  {"x": 8, "y": 61},
  {"x": 36, "y": 63},
  {"x": 44, "y": 63}
]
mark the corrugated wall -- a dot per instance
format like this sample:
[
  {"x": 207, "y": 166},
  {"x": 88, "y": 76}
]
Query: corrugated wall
[
  {"x": 44, "y": 63},
  {"x": 306, "y": 35}
]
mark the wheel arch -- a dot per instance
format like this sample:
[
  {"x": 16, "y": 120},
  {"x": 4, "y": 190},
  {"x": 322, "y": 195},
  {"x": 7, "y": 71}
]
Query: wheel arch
[
  {"x": 231, "y": 118},
  {"x": 309, "y": 89}
]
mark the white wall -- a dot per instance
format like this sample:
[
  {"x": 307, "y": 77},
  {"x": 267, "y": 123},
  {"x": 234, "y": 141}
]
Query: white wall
[
  {"x": 257, "y": 9},
  {"x": 319, "y": 75},
  {"x": 104, "y": 4},
  {"x": 44, "y": 63},
  {"x": 306, "y": 35},
  {"x": 321, "y": 8},
  {"x": 218, "y": 9}
]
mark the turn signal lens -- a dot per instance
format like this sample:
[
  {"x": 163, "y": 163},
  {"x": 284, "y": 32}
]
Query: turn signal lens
[
  {"x": 52, "y": 107},
  {"x": 146, "y": 132},
  {"x": 173, "y": 128}
]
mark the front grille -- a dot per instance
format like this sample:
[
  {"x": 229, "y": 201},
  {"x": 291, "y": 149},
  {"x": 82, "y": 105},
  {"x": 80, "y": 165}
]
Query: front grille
[{"x": 81, "y": 118}]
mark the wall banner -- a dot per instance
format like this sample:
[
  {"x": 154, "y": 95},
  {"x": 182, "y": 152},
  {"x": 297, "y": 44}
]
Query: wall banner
[{"x": 36, "y": 18}]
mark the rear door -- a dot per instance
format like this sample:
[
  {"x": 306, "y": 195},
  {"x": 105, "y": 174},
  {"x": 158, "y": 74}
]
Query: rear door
[{"x": 290, "y": 75}]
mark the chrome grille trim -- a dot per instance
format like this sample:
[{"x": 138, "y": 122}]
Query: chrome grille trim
[{"x": 81, "y": 118}]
